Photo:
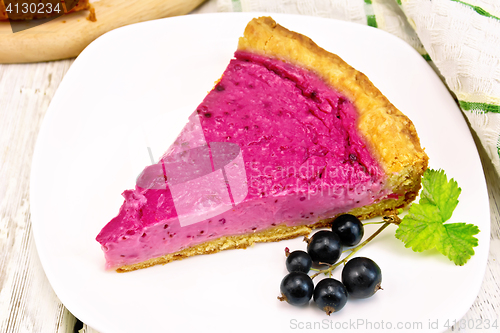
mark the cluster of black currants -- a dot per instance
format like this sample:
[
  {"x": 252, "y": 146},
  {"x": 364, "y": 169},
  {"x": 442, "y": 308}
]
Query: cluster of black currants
[{"x": 361, "y": 277}]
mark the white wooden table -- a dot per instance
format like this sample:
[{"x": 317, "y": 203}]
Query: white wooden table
[{"x": 27, "y": 301}]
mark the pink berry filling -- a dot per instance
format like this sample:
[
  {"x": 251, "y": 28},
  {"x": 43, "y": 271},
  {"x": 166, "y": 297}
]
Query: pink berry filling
[{"x": 270, "y": 144}]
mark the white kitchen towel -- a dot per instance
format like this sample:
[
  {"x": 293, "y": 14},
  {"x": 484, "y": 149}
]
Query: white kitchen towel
[{"x": 460, "y": 39}]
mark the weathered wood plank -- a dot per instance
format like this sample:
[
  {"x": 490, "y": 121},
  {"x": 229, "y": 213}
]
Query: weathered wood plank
[{"x": 27, "y": 301}]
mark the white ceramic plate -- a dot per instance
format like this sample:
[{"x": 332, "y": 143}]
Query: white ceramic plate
[{"x": 93, "y": 144}]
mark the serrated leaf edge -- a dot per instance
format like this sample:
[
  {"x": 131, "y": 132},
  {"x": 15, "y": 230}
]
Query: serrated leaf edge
[{"x": 431, "y": 202}]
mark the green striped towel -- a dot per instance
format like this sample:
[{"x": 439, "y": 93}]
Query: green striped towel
[{"x": 461, "y": 37}]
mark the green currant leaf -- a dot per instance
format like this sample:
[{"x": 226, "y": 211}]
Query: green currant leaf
[
  {"x": 418, "y": 231},
  {"x": 458, "y": 242},
  {"x": 437, "y": 190},
  {"x": 424, "y": 227}
]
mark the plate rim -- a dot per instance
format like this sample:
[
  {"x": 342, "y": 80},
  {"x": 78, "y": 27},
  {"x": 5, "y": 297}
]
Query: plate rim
[{"x": 51, "y": 114}]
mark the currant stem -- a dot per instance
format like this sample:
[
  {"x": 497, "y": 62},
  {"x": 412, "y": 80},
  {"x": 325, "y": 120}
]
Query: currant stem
[
  {"x": 367, "y": 223},
  {"x": 393, "y": 218},
  {"x": 388, "y": 220}
]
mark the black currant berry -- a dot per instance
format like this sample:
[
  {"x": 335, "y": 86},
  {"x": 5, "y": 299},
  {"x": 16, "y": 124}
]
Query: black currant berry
[
  {"x": 324, "y": 247},
  {"x": 361, "y": 277},
  {"x": 296, "y": 288},
  {"x": 349, "y": 228},
  {"x": 298, "y": 261},
  {"x": 330, "y": 295}
]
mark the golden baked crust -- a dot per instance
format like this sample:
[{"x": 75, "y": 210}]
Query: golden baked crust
[
  {"x": 391, "y": 135},
  {"x": 40, "y": 12}
]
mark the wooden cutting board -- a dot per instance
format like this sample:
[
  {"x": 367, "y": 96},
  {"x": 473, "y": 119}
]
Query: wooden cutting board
[{"x": 68, "y": 35}]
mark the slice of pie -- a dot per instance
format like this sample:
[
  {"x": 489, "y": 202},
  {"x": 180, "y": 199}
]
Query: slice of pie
[{"x": 289, "y": 137}]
